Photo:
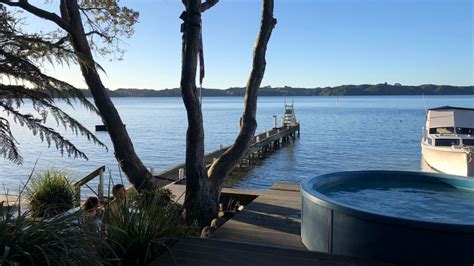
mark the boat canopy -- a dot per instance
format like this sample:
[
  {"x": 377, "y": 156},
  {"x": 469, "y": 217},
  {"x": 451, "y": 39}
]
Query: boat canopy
[{"x": 447, "y": 116}]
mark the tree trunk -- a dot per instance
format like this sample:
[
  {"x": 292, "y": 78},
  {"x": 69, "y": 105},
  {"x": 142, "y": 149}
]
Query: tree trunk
[
  {"x": 125, "y": 154},
  {"x": 229, "y": 159},
  {"x": 197, "y": 204},
  {"x": 203, "y": 191}
]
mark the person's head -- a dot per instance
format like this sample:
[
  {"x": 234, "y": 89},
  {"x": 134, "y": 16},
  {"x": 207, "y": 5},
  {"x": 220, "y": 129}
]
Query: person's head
[
  {"x": 119, "y": 192},
  {"x": 90, "y": 206}
]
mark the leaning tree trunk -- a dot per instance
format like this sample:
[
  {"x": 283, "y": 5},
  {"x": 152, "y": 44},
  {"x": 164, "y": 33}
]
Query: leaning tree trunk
[
  {"x": 229, "y": 159},
  {"x": 125, "y": 154},
  {"x": 203, "y": 190}
]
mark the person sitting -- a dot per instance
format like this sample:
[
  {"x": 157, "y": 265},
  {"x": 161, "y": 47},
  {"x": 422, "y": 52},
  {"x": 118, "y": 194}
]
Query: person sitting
[
  {"x": 91, "y": 211},
  {"x": 120, "y": 196}
]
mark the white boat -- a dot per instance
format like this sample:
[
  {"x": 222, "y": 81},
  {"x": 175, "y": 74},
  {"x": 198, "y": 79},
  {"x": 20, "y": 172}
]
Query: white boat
[{"x": 448, "y": 140}]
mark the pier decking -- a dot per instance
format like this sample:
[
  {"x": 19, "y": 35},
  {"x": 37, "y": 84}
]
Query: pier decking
[{"x": 263, "y": 143}]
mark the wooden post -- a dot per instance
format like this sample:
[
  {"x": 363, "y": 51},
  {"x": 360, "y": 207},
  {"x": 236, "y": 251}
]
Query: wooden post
[
  {"x": 78, "y": 195},
  {"x": 100, "y": 190},
  {"x": 181, "y": 173}
]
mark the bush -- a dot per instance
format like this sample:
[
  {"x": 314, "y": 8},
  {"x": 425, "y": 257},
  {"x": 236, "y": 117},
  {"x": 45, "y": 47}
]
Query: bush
[
  {"x": 144, "y": 226},
  {"x": 50, "y": 193},
  {"x": 60, "y": 241}
]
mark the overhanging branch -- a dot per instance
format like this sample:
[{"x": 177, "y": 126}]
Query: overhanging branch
[{"x": 23, "y": 4}]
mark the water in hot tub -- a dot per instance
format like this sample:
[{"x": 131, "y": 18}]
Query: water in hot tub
[{"x": 436, "y": 202}]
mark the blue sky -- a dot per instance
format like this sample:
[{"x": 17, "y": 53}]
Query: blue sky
[{"x": 315, "y": 43}]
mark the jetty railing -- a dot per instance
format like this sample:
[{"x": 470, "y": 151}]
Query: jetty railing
[{"x": 99, "y": 172}]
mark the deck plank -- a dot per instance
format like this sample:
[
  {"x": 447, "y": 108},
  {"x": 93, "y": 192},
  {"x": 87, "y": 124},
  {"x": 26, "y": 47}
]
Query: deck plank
[{"x": 207, "y": 251}]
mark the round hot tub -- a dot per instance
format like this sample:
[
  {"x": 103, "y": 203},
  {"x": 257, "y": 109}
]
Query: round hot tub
[{"x": 390, "y": 215}]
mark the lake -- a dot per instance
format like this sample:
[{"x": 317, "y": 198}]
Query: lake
[{"x": 337, "y": 134}]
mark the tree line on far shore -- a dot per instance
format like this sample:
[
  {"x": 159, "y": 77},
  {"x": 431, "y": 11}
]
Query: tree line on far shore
[{"x": 343, "y": 90}]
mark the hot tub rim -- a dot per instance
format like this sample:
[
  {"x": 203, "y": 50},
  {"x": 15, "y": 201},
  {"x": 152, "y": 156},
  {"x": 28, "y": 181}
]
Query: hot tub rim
[{"x": 320, "y": 199}]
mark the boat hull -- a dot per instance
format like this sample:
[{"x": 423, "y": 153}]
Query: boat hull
[{"x": 448, "y": 160}]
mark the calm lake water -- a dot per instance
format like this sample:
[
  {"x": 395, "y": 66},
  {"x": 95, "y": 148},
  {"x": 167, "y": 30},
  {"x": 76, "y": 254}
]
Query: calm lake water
[{"x": 337, "y": 133}]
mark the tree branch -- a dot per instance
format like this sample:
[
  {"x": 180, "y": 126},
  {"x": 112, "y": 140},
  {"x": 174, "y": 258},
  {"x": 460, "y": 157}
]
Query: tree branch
[
  {"x": 227, "y": 161},
  {"x": 204, "y": 6},
  {"x": 23, "y": 4},
  {"x": 98, "y": 33},
  {"x": 208, "y": 4}
]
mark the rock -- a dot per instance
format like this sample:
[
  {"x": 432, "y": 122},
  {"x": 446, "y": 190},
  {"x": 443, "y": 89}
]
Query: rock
[
  {"x": 214, "y": 223},
  {"x": 205, "y": 232}
]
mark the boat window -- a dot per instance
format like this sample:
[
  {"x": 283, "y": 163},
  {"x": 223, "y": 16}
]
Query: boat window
[
  {"x": 465, "y": 130},
  {"x": 288, "y": 112},
  {"x": 430, "y": 142},
  {"x": 442, "y": 130},
  {"x": 468, "y": 142},
  {"x": 446, "y": 142}
]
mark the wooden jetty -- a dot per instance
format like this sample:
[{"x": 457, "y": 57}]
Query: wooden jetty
[
  {"x": 262, "y": 144},
  {"x": 266, "y": 232}
]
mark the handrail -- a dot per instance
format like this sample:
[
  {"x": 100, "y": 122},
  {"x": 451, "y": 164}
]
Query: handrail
[{"x": 100, "y": 192}]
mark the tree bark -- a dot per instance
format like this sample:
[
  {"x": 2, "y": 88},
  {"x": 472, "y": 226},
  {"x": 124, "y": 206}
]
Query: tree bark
[
  {"x": 229, "y": 159},
  {"x": 125, "y": 154},
  {"x": 197, "y": 204}
]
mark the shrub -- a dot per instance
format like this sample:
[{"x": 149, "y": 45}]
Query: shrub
[
  {"x": 144, "y": 226},
  {"x": 60, "y": 241},
  {"x": 50, "y": 193}
]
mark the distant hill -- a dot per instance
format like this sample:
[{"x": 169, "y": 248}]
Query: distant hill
[{"x": 344, "y": 90}]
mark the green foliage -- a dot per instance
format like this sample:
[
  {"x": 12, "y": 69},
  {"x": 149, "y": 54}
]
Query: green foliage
[
  {"x": 144, "y": 226},
  {"x": 160, "y": 197},
  {"x": 50, "y": 193},
  {"x": 60, "y": 241},
  {"x": 105, "y": 23}
]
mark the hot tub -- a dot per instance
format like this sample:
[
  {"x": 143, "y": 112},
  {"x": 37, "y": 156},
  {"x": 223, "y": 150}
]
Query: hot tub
[{"x": 390, "y": 215}]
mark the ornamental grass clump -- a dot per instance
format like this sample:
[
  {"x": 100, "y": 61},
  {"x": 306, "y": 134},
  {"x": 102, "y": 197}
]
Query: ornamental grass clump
[
  {"x": 58, "y": 241},
  {"x": 144, "y": 226},
  {"x": 50, "y": 193}
]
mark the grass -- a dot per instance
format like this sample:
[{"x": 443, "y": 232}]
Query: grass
[
  {"x": 61, "y": 241},
  {"x": 145, "y": 226},
  {"x": 50, "y": 193}
]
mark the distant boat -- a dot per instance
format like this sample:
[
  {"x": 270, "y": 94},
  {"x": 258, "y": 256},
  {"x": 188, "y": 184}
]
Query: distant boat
[
  {"x": 102, "y": 127},
  {"x": 448, "y": 140}
]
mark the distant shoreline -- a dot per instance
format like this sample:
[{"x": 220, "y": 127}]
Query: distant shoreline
[{"x": 383, "y": 89}]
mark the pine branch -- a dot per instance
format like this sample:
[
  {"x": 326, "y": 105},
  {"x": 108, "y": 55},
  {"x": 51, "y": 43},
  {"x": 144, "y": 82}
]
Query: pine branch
[
  {"x": 8, "y": 143},
  {"x": 45, "y": 133}
]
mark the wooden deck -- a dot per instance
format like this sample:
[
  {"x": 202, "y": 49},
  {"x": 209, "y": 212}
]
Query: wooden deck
[
  {"x": 179, "y": 190},
  {"x": 273, "y": 218},
  {"x": 267, "y": 232},
  {"x": 206, "y": 251}
]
